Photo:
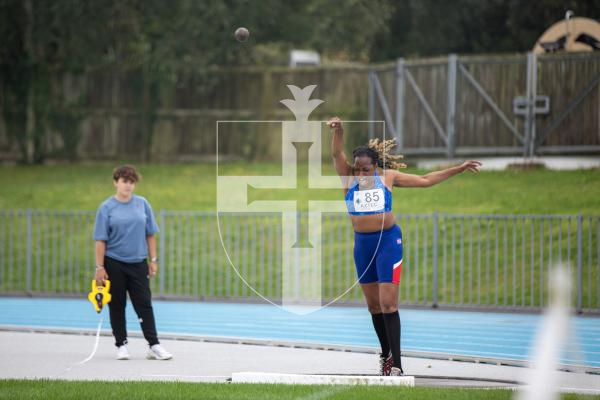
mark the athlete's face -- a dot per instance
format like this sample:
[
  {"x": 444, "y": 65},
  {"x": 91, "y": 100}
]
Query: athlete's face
[{"x": 364, "y": 170}]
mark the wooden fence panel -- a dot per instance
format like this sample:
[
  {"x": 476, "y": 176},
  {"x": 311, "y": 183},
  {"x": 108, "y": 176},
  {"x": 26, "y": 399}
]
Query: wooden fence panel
[{"x": 112, "y": 114}]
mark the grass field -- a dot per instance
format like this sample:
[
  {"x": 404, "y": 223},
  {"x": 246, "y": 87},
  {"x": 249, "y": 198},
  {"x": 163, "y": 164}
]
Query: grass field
[
  {"x": 192, "y": 187},
  {"x": 64, "y": 390}
]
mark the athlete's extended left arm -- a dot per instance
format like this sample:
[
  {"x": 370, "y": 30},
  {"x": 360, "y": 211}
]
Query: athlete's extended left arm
[{"x": 433, "y": 178}]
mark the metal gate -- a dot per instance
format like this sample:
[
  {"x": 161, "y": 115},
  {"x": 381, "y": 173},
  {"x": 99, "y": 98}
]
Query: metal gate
[
  {"x": 489, "y": 105},
  {"x": 499, "y": 262}
]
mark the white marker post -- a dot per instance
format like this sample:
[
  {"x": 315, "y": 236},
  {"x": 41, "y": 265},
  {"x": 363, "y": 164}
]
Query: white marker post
[{"x": 542, "y": 382}]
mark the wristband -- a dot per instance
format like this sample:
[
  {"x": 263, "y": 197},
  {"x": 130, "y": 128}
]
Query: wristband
[
  {"x": 154, "y": 259},
  {"x": 99, "y": 267}
]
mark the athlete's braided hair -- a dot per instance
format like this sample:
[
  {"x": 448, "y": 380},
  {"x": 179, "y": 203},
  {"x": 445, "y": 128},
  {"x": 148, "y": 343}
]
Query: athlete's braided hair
[{"x": 378, "y": 151}]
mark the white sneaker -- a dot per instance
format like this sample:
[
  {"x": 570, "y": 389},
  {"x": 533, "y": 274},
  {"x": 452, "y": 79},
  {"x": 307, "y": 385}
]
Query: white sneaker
[
  {"x": 123, "y": 353},
  {"x": 157, "y": 352}
]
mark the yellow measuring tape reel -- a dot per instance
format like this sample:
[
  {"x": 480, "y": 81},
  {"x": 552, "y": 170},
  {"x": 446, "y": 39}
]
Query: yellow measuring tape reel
[{"x": 100, "y": 295}]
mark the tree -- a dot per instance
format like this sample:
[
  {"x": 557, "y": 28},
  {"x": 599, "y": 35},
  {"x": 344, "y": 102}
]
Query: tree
[
  {"x": 159, "y": 41},
  {"x": 435, "y": 27}
]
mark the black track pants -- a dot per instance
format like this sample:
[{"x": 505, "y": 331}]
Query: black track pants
[{"x": 133, "y": 279}]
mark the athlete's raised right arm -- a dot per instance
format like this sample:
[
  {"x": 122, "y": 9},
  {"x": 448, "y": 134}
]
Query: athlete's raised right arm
[{"x": 340, "y": 162}]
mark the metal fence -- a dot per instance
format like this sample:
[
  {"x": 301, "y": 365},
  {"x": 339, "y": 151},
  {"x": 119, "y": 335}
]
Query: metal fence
[{"x": 482, "y": 261}]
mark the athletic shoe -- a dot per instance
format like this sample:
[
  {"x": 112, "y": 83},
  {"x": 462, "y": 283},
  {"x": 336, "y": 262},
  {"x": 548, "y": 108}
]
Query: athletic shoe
[
  {"x": 385, "y": 364},
  {"x": 122, "y": 353},
  {"x": 157, "y": 352},
  {"x": 396, "y": 372}
]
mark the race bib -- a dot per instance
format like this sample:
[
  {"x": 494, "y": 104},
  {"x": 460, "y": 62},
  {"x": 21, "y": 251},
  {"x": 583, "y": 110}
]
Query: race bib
[{"x": 369, "y": 200}]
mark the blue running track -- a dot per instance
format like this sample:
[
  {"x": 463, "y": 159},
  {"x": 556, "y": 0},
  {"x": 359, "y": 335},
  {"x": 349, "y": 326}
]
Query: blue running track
[{"x": 499, "y": 336}]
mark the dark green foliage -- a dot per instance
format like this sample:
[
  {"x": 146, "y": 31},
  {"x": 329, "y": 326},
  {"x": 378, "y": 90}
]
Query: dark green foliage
[{"x": 162, "y": 40}]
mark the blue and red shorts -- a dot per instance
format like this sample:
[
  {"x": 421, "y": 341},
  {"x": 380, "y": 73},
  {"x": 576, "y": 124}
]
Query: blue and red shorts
[{"x": 378, "y": 260}]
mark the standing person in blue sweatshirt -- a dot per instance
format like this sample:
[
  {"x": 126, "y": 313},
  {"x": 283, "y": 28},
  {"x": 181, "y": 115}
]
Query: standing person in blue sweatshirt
[{"x": 126, "y": 254}]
